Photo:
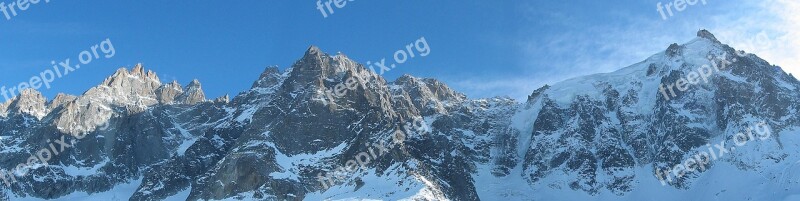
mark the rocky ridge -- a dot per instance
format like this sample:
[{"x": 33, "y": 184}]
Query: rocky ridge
[{"x": 603, "y": 135}]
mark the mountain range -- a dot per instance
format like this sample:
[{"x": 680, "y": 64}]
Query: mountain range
[{"x": 606, "y": 136}]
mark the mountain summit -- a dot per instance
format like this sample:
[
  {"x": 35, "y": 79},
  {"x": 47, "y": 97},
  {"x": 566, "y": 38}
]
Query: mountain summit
[{"x": 611, "y": 136}]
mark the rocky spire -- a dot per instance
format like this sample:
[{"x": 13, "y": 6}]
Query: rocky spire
[
  {"x": 437, "y": 89},
  {"x": 29, "y": 102},
  {"x": 168, "y": 92},
  {"x": 223, "y": 99},
  {"x": 125, "y": 88},
  {"x": 312, "y": 68},
  {"x": 60, "y": 100},
  {"x": 313, "y": 52},
  {"x": 193, "y": 94},
  {"x": 138, "y": 71},
  {"x": 270, "y": 77},
  {"x": 429, "y": 95},
  {"x": 707, "y": 35}
]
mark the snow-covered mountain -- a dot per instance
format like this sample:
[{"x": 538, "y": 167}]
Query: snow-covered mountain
[{"x": 599, "y": 137}]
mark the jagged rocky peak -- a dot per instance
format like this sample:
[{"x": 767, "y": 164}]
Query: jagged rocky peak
[
  {"x": 168, "y": 92},
  {"x": 429, "y": 95},
  {"x": 537, "y": 93},
  {"x": 138, "y": 70},
  {"x": 325, "y": 65},
  {"x": 314, "y": 51},
  {"x": 175, "y": 85},
  {"x": 193, "y": 94},
  {"x": 313, "y": 56},
  {"x": 313, "y": 67},
  {"x": 437, "y": 89},
  {"x": 318, "y": 71},
  {"x": 607, "y": 138},
  {"x": 270, "y": 77},
  {"x": 707, "y": 35},
  {"x": 60, "y": 100},
  {"x": 345, "y": 64},
  {"x": 133, "y": 90},
  {"x": 634, "y": 98},
  {"x": 143, "y": 88},
  {"x": 29, "y": 102},
  {"x": 223, "y": 99},
  {"x": 125, "y": 87}
]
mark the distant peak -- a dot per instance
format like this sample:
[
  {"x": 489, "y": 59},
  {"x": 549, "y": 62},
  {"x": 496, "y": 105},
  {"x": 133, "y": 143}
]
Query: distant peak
[
  {"x": 29, "y": 92},
  {"x": 314, "y": 65},
  {"x": 29, "y": 102},
  {"x": 121, "y": 71},
  {"x": 193, "y": 94},
  {"x": 224, "y": 99},
  {"x": 314, "y": 57},
  {"x": 270, "y": 71},
  {"x": 62, "y": 95},
  {"x": 60, "y": 100},
  {"x": 707, "y": 35},
  {"x": 313, "y": 51},
  {"x": 405, "y": 77},
  {"x": 138, "y": 69},
  {"x": 341, "y": 55},
  {"x": 270, "y": 77},
  {"x": 194, "y": 83}
]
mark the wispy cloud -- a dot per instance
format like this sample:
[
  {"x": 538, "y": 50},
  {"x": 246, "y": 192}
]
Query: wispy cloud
[
  {"x": 560, "y": 46},
  {"x": 771, "y": 30}
]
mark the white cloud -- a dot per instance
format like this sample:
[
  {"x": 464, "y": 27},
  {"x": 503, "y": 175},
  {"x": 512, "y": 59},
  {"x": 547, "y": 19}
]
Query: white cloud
[{"x": 769, "y": 29}]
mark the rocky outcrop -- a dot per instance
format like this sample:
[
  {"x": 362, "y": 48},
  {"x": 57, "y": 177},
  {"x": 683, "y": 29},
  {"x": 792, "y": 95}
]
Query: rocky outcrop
[
  {"x": 60, "y": 100},
  {"x": 169, "y": 92},
  {"x": 29, "y": 102},
  {"x": 287, "y": 136},
  {"x": 193, "y": 94}
]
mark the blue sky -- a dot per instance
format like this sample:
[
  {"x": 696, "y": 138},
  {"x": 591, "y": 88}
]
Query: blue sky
[{"x": 481, "y": 48}]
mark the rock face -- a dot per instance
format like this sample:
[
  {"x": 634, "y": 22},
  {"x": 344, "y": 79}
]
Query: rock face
[
  {"x": 29, "y": 102},
  {"x": 601, "y": 136},
  {"x": 169, "y": 92},
  {"x": 193, "y": 94}
]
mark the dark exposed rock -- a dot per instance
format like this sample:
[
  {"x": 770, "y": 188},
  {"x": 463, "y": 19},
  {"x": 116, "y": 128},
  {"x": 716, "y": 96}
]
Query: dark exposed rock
[
  {"x": 674, "y": 50},
  {"x": 272, "y": 141},
  {"x": 169, "y": 92},
  {"x": 707, "y": 35},
  {"x": 193, "y": 94}
]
